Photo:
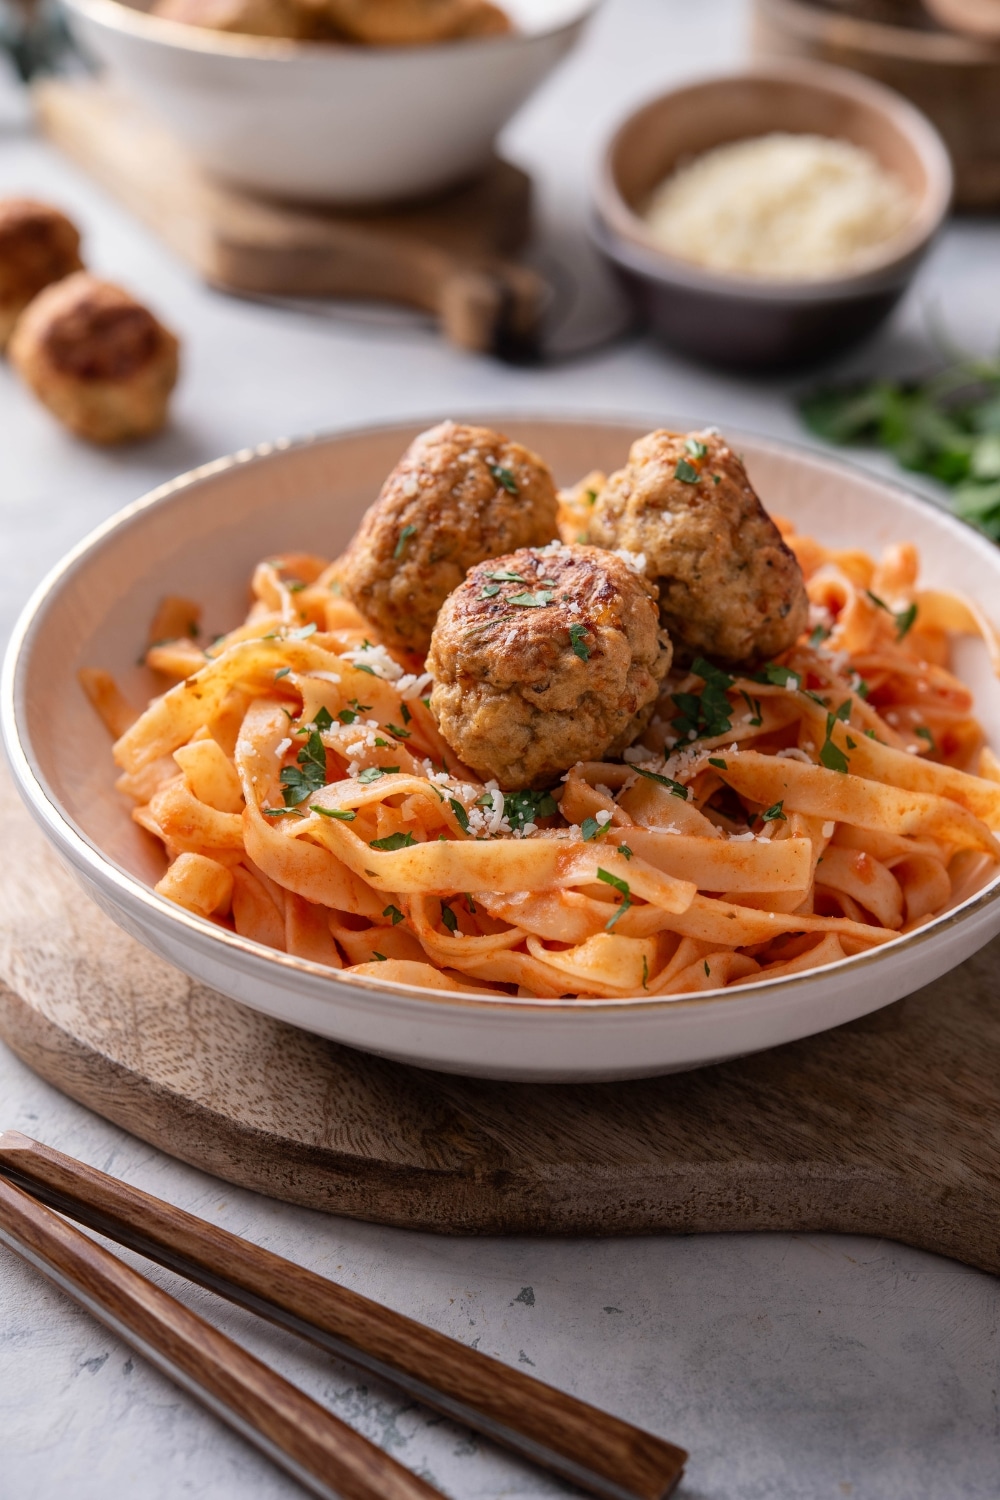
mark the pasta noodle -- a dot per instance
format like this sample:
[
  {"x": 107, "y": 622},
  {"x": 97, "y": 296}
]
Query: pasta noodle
[{"x": 304, "y": 798}]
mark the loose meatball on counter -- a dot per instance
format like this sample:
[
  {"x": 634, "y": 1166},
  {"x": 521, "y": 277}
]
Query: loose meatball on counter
[
  {"x": 544, "y": 658},
  {"x": 459, "y": 495},
  {"x": 729, "y": 587},
  {"x": 38, "y": 245}
]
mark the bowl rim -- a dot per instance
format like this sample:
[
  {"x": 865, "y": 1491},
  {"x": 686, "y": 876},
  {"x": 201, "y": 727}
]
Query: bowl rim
[
  {"x": 118, "y": 15},
  {"x": 99, "y": 869},
  {"x": 888, "y": 262}
]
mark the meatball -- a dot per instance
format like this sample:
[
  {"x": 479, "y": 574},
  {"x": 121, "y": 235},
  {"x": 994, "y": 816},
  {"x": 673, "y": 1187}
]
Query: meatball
[
  {"x": 98, "y": 359},
  {"x": 729, "y": 587},
  {"x": 403, "y": 23},
  {"x": 38, "y": 245},
  {"x": 458, "y": 496},
  {"x": 274, "y": 18},
  {"x": 544, "y": 658}
]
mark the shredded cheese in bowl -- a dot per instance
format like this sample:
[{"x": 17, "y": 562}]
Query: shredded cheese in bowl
[{"x": 780, "y": 205}]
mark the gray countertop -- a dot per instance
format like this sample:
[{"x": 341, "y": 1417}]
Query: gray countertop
[{"x": 793, "y": 1367}]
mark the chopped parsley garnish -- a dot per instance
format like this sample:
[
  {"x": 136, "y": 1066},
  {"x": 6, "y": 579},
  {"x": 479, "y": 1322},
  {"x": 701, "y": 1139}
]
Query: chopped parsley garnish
[
  {"x": 719, "y": 764},
  {"x": 281, "y": 672},
  {"x": 323, "y": 719},
  {"x": 708, "y": 971},
  {"x": 394, "y": 913},
  {"x": 359, "y": 666},
  {"x": 782, "y": 677},
  {"x": 625, "y": 850},
  {"x": 347, "y": 716},
  {"x": 295, "y": 586},
  {"x": 753, "y": 704},
  {"x": 577, "y": 635},
  {"x": 870, "y": 733},
  {"x": 372, "y": 773},
  {"x": 302, "y": 633},
  {"x": 591, "y": 829},
  {"x": 706, "y": 714},
  {"x": 503, "y": 575},
  {"x": 505, "y": 477},
  {"x": 393, "y": 842},
  {"x": 619, "y": 885},
  {"x": 379, "y": 956},
  {"x": 878, "y": 603},
  {"x": 775, "y": 813},
  {"x": 685, "y": 472},
  {"x": 831, "y": 755},
  {"x": 861, "y": 688},
  {"x": 904, "y": 621},
  {"x": 342, "y": 814},
  {"x": 282, "y": 812},
  {"x": 522, "y": 808},
  {"x": 696, "y": 448},
  {"x": 924, "y": 733},
  {"x": 449, "y": 918},
  {"x": 460, "y": 813},
  {"x": 407, "y": 716},
  {"x": 400, "y": 734},
  {"x": 299, "y": 782},
  {"x": 591, "y": 496},
  {"x": 381, "y": 744},
  {"x": 818, "y": 635},
  {"x": 675, "y": 788},
  {"x": 470, "y": 903},
  {"x": 529, "y": 600},
  {"x": 490, "y": 591},
  {"x": 404, "y": 537}
]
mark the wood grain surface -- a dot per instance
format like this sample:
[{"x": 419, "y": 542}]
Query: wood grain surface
[
  {"x": 451, "y": 256},
  {"x": 885, "y": 1127}
]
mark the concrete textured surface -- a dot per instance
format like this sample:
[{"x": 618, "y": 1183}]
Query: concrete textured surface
[{"x": 793, "y": 1368}]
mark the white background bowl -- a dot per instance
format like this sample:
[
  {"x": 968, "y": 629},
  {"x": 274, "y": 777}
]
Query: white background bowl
[
  {"x": 325, "y": 121},
  {"x": 201, "y": 535}
]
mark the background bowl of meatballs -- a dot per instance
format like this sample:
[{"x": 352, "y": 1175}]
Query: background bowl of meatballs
[{"x": 332, "y": 100}]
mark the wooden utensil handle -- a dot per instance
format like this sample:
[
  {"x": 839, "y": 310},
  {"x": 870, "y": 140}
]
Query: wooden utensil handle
[
  {"x": 591, "y": 1448},
  {"x": 315, "y": 1447}
]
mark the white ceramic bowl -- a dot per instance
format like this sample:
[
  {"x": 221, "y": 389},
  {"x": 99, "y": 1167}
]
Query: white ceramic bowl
[
  {"x": 324, "y": 121},
  {"x": 201, "y": 535}
]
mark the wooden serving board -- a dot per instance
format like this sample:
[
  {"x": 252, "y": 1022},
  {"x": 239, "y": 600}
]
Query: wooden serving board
[
  {"x": 889, "y": 1126},
  {"x": 450, "y": 256}
]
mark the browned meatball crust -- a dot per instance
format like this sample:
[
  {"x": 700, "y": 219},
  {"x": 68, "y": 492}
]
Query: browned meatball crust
[
  {"x": 270, "y": 18},
  {"x": 408, "y": 23},
  {"x": 38, "y": 245},
  {"x": 99, "y": 360},
  {"x": 561, "y": 662},
  {"x": 729, "y": 587},
  {"x": 457, "y": 496}
]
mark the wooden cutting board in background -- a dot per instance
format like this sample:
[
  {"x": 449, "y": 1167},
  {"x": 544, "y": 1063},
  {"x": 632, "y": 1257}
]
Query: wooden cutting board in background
[
  {"x": 889, "y": 1126},
  {"x": 453, "y": 256}
]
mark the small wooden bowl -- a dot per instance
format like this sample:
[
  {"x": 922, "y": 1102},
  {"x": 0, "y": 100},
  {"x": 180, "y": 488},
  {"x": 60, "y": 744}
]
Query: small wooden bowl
[{"x": 751, "y": 321}]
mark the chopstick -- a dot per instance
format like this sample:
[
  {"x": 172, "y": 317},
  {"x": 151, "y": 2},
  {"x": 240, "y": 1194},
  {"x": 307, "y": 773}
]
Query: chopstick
[
  {"x": 314, "y": 1446},
  {"x": 591, "y": 1448}
]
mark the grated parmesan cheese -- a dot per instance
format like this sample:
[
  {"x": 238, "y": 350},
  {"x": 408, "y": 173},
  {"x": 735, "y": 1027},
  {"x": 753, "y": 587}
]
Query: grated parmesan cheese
[{"x": 780, "y": 205}]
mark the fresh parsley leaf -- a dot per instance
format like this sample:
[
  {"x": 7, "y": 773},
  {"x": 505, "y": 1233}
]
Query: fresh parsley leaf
[
  {"x": 878, "y": 603},
  {"x": 503, "y": 575},
  {"x": 706, "y": 714},
  {"x": 379, "y": 956},
  {"x": 619, "y": 885},
  {"x": 577, "y": 636},
  {"x": 522, "y": 808},
  {"x": 460, "y": 813},
  {"x": 407, "y": 716},
  {"x": 294, "y": 586},
  {"x": 342, "y": 814},
  {"x": 505, "y": 477},
  {"x": 924, "y": 733},
  {"x": 528, "y": 600},
  {"x": 719, "y": 764},
  {"x": 404, "y": 537},
  {"x": 675, "y": 788},
  {"x": 393, "y": 842},
  {"x": 282, "y": 812},
  {"x": 394, "y": 913},
  {"x": 686, "y": 472},
  {"x": 372, "y": 773},
  {"x": 281, "y": 672},
  {"x": 818, "y": 635},
  {"x": 359, "y": 666},
  {"x": 625, "y": 850},
  {"x": 590, "y": 496},
  {"x": 490, "y": 590},
  {"x": 591, "y": 829},
  {"x": 707, "y": 969},
  {"x": 775, "y": 813},
  {"x": 449, "y": 918},
  {"x": 347, "y": 716},
  {"x": 297, "y": 786},
  {"x": 470, "y": 904},
  {"x": 871, "y": 735},
  {"x": 904, "y": 621},
  {"x": 777, "y": 676},
  {"x": 831, "y": 755},
  {"x": 400, "y": 734},
  {"x": 381, "y": 744},
  {"x": 323, "y": 719},
  {"x": 696, "y": 448},
  {"x": 753, "y": 704},
  {"x": 302, "y": 633}
]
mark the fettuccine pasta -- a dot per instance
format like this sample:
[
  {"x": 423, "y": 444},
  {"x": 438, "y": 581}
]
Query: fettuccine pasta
[{"x": 762, "y": 825}]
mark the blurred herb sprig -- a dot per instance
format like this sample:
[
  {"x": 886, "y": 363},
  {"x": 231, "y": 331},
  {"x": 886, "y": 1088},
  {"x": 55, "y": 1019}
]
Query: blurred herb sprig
[{"x": 947, "y": 425}]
